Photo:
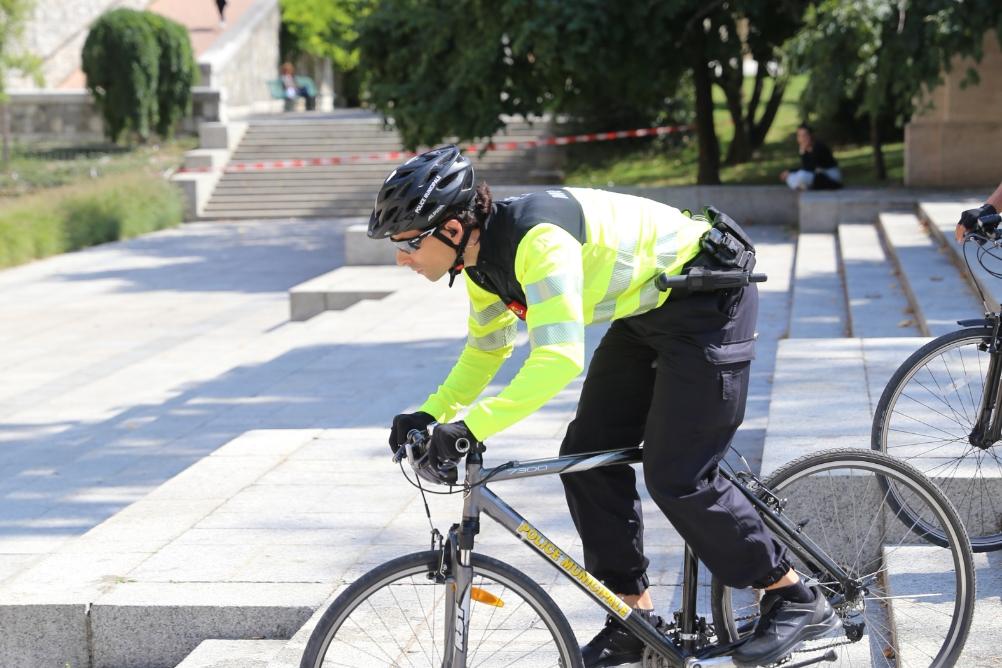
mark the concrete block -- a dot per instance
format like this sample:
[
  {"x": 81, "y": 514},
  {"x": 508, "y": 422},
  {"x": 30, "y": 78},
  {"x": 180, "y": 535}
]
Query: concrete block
[
  {"x": 928, "y": 276},
  {"x": 818, "y": 309},
  {"x": 35, "y": 636},
  {"x": 206, "y": 158},
  {"x": 156, "y": 625},
  {"x": 877, "y": 304},
  {"x": 359, "y": 249},
  {"x": 196, "y": 188},
  {"x": 225, "y": 136},
  {"x": 233, "y": 654},
  {"x": 940, "y": 218},
  {"x": 818, "y": 212},
  {"x": 819, "y": 400},
  {"x": 341, "y": 288}
]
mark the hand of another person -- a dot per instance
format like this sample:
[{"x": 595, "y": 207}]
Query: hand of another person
[
  {"x": 403, "y": 424},
  {"x": 783, "y": 174},
  {"x": 969, "y": 220}
]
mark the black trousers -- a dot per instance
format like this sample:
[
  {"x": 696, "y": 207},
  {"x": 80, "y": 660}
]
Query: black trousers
[{"x": 675, "y": 378}]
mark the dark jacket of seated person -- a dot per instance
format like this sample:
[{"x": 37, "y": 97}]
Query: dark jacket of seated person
[{"x": 818, "y": 169}]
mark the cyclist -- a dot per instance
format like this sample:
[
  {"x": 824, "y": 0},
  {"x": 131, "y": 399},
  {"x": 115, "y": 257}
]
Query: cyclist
[
  {"x": 672, "y": 371},
  {"x": 969, "y": 218}
]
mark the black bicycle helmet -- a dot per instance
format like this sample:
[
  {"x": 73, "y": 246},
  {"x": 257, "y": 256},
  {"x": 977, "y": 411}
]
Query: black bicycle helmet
[{"x": 417, "y": 193}]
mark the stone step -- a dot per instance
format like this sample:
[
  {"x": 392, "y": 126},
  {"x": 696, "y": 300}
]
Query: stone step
[
  {"x": 938, "y": 293},
  {"x": 344, "y": 287},
  {"x": 911, "y": 566},
  {"x": 824, "y": 392},
  {"x": 877, "y": 305},
  {"x": 941, "y": 219},
  {"x": 818, "y": 309},
  {"x": 233, "y": 654}
]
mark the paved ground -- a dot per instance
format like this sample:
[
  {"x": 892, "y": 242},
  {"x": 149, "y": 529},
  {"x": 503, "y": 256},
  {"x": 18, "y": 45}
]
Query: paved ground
[
  {"x": 128, "y": 364},
  {"x": 125, "y": 364}
]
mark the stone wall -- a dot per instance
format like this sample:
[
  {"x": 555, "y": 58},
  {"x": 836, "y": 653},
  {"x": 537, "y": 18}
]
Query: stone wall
[
  {"x": 243, "y": 59},
  {"x": 959, "y": 140},
  {"x": 56, "y": 33},
  {"x": 70, "y": 116}
]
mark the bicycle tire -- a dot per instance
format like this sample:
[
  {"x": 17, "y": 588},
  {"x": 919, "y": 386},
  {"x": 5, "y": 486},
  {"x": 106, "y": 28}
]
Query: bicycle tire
[
  {"x": 924, "y": 416},
  {"x": 889, "y": 621},
  {"x": 384, "y": 578}
]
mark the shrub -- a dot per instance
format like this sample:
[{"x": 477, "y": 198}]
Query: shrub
[
  {"x": 140, "y": 69},
  {"x": 75, "y": 217},
  {"x": 177, "y": 72}
]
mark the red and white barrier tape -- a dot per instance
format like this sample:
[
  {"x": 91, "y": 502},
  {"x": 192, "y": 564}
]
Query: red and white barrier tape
[{"x": 402, "y": 155}]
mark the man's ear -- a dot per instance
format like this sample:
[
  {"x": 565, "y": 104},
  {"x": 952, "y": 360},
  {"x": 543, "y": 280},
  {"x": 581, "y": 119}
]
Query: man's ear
[{"x": 453, "y": 229}]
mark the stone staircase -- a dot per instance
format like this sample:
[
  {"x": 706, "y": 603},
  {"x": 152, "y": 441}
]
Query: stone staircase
[
  {"x": 345, "y": 190},
  {"x": 230, "y": 562}
]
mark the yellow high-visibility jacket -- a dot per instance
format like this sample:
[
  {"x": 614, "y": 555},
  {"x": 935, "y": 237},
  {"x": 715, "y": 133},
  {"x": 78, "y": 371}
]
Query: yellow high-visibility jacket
[{"x": 563, "y": 259}]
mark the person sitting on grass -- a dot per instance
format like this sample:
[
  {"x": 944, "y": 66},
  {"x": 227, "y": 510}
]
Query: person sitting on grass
[{"x": 818, "y": 168}]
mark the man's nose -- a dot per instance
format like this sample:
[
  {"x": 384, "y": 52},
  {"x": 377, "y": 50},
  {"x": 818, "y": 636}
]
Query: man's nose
[{"x": 403, "y": 259}]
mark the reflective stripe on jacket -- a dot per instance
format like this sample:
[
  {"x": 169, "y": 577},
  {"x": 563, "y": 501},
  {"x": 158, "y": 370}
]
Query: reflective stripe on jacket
[{"x": 565, "y": 284}]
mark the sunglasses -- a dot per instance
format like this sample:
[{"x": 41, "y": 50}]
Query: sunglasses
[{"x": 414, "y": 243}]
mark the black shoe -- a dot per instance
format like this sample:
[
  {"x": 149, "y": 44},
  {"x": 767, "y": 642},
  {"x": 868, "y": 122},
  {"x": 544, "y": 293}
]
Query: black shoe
[
  {"x": 614, "y": 645},
  {"x": 783, "y": 625}
]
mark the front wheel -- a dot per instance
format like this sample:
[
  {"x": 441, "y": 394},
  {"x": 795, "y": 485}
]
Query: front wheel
[
  {"x": 395, "y": 615},
  {"x": 928, "y": 415},
  {"x": 916, "y": 598}
]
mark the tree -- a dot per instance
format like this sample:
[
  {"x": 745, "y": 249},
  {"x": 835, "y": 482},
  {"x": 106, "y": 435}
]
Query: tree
[
  {"x": 13, "y": 15},
  {"x": 176, "y": 73},
  {"x": 326, "y": 29},
  {"x": 140, "y": 69},
  {"x": 453, "y": 68},
  {"x": 885, "y": 53}
]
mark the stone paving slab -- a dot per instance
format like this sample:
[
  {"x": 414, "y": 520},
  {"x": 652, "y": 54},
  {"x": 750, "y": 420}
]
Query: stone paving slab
[
  {"x": 928, "y": 276},
  {"x": 941, "y": 219},
  {"x": 825, "y": 392},
  {"x": 233, "y": 654},
  {"x": 877, "y": 305},
  {"x": 189, "y": 349},
  {"x": 818, "y": 309}
]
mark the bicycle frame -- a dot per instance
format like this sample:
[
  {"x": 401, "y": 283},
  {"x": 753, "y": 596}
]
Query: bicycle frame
[{"x": 481, "y": 500}]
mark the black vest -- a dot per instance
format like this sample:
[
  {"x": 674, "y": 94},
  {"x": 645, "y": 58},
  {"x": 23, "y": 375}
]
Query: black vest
[{"x": 509, "y": 222}]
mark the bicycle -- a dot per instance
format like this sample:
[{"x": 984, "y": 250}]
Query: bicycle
[
  {"x": 942, "y": 408},
  {"x": 453, "y": 607}
]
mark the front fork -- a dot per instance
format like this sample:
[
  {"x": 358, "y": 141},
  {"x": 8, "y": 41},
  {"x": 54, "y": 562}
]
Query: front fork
[
  {"x": 457, "y": 574},
  {"x": 986, "y": 431}
]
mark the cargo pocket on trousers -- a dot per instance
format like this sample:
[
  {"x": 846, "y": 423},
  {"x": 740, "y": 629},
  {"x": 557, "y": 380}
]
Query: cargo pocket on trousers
[
  {"x": 730, "y": 352},
  {"x": 730, "y": 384}
]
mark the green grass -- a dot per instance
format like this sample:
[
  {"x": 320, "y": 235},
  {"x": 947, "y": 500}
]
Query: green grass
[
  {"x": 37, "y": 168},
  {"x": 66, "y": 218},
  {"x": 54, "y": 199},
  {"x": 654, "y": 164}
]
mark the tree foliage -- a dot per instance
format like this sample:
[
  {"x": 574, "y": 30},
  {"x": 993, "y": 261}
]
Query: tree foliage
[
  {"x": 453, "y": 68},
  {"x": 176, "y": 74},
  {"x": 885, "y": 53},
  {"x": 327, "y": 28},
  {"x": 13, "y": 15},
  {"x": 140, "y": 69}
]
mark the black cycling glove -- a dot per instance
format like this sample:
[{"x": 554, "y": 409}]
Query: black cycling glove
[
  {"x": 449, "y": 442},
  {"x": 403, "y": 424},
  {"x": 969, "y": 218}
]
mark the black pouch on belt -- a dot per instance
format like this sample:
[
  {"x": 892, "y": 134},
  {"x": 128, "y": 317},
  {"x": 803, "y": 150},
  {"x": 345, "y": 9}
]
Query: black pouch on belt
[{"x": 727, "y": 243}]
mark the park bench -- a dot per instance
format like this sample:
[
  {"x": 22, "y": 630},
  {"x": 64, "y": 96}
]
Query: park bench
[{"x": 277, "y": 91}]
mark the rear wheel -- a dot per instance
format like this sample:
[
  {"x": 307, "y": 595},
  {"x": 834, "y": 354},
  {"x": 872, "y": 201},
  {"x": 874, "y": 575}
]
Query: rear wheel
[
  {"x": 395, "y": 615},
  {"x": 917, "y": 599}
]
